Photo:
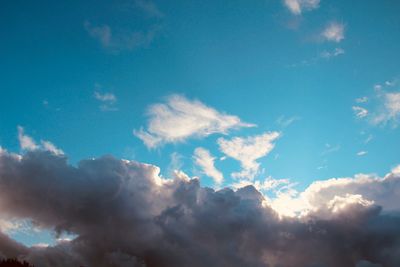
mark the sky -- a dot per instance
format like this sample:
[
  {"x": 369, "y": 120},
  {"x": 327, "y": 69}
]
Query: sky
[{"x": 270, "y": 93}]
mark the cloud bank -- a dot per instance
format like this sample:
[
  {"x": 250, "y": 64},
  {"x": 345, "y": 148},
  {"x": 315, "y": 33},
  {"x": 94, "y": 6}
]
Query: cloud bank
[{"x": 124, "y": 214}]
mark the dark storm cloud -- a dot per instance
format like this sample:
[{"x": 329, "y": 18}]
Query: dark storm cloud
[{"x": 124, "y": 214}]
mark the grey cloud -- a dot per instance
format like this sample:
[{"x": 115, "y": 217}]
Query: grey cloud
[{"x": 125, "y": 214}]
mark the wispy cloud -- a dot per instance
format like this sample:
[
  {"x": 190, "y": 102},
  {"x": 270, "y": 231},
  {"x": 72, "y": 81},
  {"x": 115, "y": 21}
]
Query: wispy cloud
[
  {"x": 360, "y": 112},
  {"x": 362, "y": 153},
  {"x": 29, "y": 144},
  {"x": 333, "y": 53},
  {"x": 333, "y": 32},
  {"x": 285, "y": 121},
  {"x": 247, "y": 150},
  {"x": 149, "y": 8},
  {"x": 120, "y": 40},
  {"x": 384, "y": 105},
  {"x": 298, "y": 6},
  {"x": 107, "y": 100},
  {"x": 205, "y": 160},
  {"x": 180, "y": 118},
  {"x": 363, "y": 99},
  {"x": 330, "y": 149}
]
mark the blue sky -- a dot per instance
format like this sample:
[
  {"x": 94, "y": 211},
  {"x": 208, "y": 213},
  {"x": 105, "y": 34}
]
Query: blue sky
[{"x": 309, "y": 89}]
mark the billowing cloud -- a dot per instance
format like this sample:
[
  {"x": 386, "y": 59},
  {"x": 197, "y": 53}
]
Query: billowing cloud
[
  {"x": 333, "y": 32},
  {"x": 297, "y": 6},
  {"x": 247, "y": 150},
  {"x": 383, "y": 191},
  {"x": 180, "y": 118},
  {"x": 124, "y": 214},
  {"x": 203, "y": 159}
]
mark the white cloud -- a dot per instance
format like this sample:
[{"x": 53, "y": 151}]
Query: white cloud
[
  {"x": 267, "y": 184},
  {"x": 105, "y": 97},
  {"x": 388, "y": 110},
  {"x": 205, "y": 160},
  {"x": 149, "y": 8},
  {"x": 247, "y": 150},
  {"x": 363, "y": 99},
  {"x": 49, "y": 146},
  {"x": 297, "y": 6},
  {"x": 28, "y": 143},
  {"x": 330, "y": 149},
  {"x": 362, "y": 153},
  {"x": 333, "y": 32},
  {"x": 284, "y": 121},
  {"x": 107, "y": 100},
  {"x": 360, "y": 112},
  {"x": 333, "y": 194},
  {"x": 117, "y": 41},
  {"x": 334, "y": 53},
  {"x": 180, "y": 118}
]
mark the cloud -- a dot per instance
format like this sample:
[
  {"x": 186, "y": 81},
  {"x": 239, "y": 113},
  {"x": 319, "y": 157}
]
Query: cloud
[
  {"x": 247, "y": 150},
  {"x": 266, "y": 185},
  {"x": 334, "y": 53},
  {"x": 105, "y": 97},
  {"x": 320, "y": 196},
  {"x": 121, "y": 40},
  {"x": 180, "y": 118},
  {"x": 384, "y": 105},
  {"x": 284, "y": 121},
  {"x": 203, "y": 159},
  {"x": 25, "y": 141},
  {"x": 363, "y": 99},
  {"x": 333, "y": 32},
  {"x": 124, "y": 214},
  {"x": 28, "y": 143},
  {"x": 362, "y": 153},
  {"x": 107, "y": 100},
  {"x": 149, "y": 8},
  {"x": 298, "y": 6},
  {"x": 360, "y": 112}
]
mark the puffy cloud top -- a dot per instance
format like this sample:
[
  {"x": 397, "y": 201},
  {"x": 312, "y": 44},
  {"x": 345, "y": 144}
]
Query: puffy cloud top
[{"x": 124, "y": 214}]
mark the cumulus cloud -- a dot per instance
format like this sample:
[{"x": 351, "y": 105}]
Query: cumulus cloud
[
  {"x": 124, "y": 214},
  {"x": 180, "y": 118},
  {"x": 247, "y": 150},
  {"x": 203, "y": 159},
  {"x": 333, "y": 32},
  {"x": 383, "y": 191},
  {"x": 298, "y": 6}
]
